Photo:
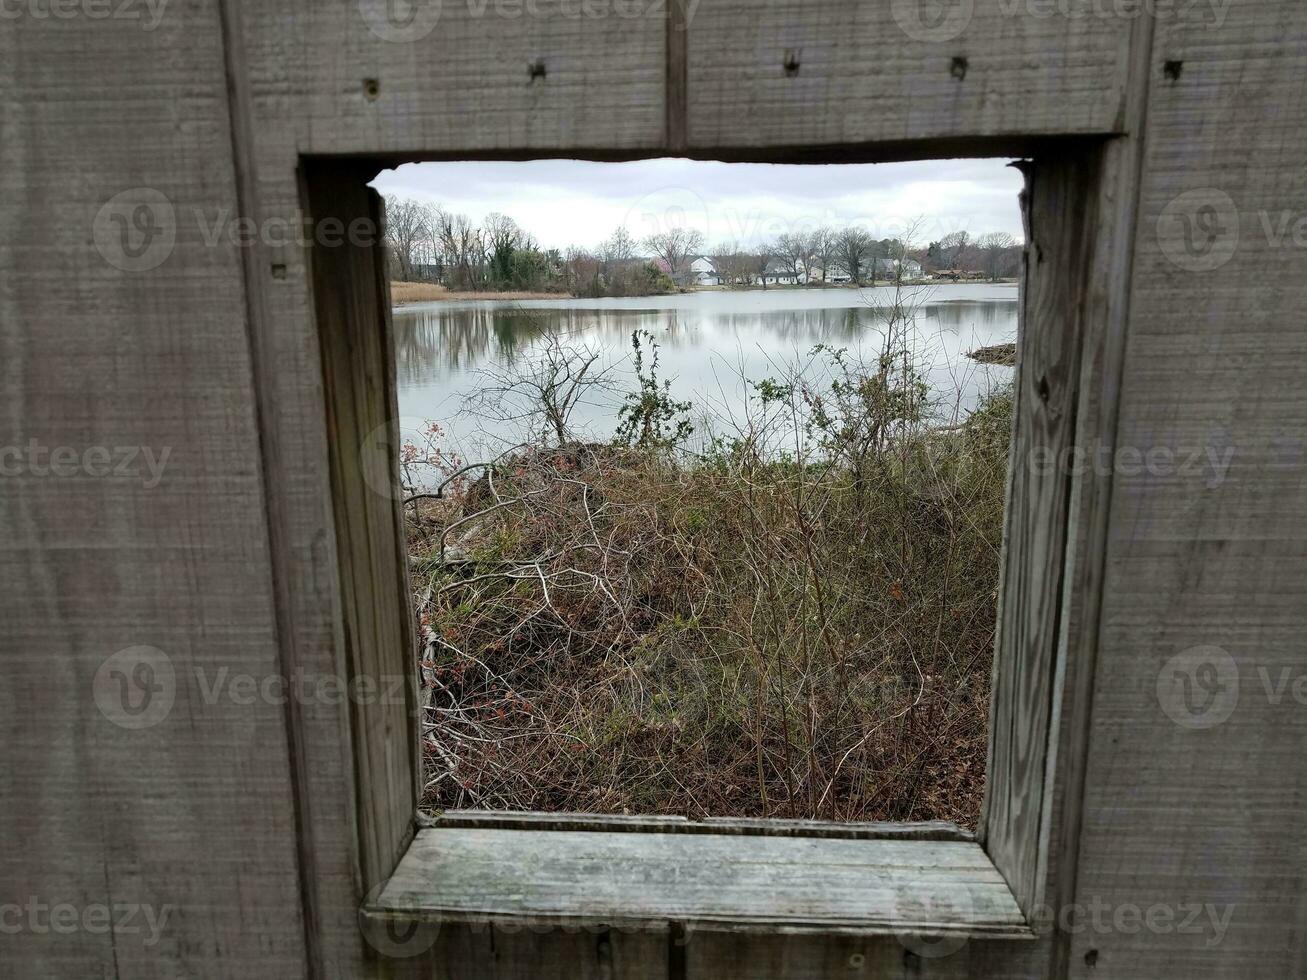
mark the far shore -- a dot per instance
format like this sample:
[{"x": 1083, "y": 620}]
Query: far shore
[{"x": 405, "y": 293}]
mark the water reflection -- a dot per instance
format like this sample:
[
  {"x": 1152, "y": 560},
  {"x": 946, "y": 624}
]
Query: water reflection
[{"x": 707, "y": 340}]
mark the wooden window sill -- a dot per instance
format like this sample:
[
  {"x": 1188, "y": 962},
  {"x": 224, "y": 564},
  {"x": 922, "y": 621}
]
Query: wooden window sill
[{"x": 720, "y": 882}]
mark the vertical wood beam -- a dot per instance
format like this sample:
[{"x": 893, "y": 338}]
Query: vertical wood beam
[
  {"x": 352, "y": 306},
  {"x": 1058, "y": 210},
  {"x": 262, "y": 359}
]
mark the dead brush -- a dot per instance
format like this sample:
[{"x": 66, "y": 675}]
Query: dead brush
[
  {"x": 796, "y": 621},
  {"x": 611, "y": 630}
]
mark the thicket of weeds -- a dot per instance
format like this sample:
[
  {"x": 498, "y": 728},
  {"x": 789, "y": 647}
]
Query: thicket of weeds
[{"x": 796, "y": 621}]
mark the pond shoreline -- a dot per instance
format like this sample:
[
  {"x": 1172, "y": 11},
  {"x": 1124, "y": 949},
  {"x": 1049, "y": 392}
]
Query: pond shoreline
[
  {"x": 713, "y": 347},
  {"x": 408, "y": 293}
]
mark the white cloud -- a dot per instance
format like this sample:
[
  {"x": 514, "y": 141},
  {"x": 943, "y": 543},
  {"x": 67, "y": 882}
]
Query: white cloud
[{"x": 575, "y": 202}]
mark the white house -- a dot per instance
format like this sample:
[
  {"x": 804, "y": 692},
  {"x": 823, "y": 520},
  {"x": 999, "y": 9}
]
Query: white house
[
  {"x": 703, "y": 272},
  {"x": 892, "y": 269},
  {"x": 834, "y": 275},
  {"x": 777, "y": 274}
]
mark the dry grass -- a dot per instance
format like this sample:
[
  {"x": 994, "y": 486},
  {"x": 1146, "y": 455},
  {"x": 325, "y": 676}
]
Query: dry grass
[
  {"x": 741, "y": 633},
  {"x": 427, "y": 292},
  {"x": 416, "y": 292}
]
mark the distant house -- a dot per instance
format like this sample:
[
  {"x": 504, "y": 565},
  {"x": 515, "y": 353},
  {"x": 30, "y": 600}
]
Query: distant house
[
  {"x": 833, "y": 274},
  {"x": 957, "y": 274},
  {"x": 777, "y": 274},
  {"x": 703, "y": 272},
  {"x": 894, "y": 269}
]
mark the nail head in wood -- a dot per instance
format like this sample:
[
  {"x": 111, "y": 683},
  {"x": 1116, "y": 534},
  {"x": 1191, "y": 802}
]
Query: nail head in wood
[{"x": 371, "y": 89}]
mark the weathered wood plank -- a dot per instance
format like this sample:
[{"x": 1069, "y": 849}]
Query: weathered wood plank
[
  {"x": 713, "y": 955},
  {"x": 899, "y": 70},
  {"x": 1185, "y": 807},
  {"x": 358, "y": 364},
  {"x": 455, "y": 76},
  {"x": 454, "y": 951},
  {"x": 701, "y": 882},
  {"x": 1059, "y": 204},
  {"x": 190, "y": 817},
  {"x": 1171, "y": 815},
  {"x": 1107, "y": 291},
  {"x": 457, "y": 83},
  {"x": 623, "y": 823}
]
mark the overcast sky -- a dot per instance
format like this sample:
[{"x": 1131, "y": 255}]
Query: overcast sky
[{"x": 575, "y": 202}]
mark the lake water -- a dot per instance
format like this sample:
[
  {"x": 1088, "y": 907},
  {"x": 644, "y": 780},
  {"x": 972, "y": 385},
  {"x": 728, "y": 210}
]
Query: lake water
[{"x": 710, "y": 342}]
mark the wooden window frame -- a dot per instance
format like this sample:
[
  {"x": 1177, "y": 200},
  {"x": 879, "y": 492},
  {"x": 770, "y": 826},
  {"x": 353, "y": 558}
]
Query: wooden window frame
[{"x": 1078, "y": 214}]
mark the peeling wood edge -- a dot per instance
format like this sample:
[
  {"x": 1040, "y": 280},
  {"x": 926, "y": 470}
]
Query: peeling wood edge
[
  {"x": 1014, "y": 145},
  {"x": 868, "y": 926},
  {"x": 935, "y": 830}
]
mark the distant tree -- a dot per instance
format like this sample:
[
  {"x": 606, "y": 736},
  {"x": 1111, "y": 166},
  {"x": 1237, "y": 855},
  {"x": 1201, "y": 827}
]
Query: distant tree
[
  {"x": 953, "y": 247},
  {"x": 581, "y": 273},
  {"x": 894, "y": 252},
  {"x": 534, "y": 270},
  {"x": 462, "y": 247},
  {"x": 502, "y": 238},
  {"x": 852, "y": 251},
  {"x": 724, "y": 258},
  {"x": 791, "y": 250},
  {"x": 734, "y": 266},
  {"x": 617, "y": 249},
  {"x": 406, "y": 228},
  {"x": 651, "y": 281},
  {"x": 674, "y": 246},
  {"x": 993, "y": 249},
  {"x": 821, "y": 247},
  {"x": 883, "y": 255}
]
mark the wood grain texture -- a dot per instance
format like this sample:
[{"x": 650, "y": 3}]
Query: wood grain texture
[
  {"x": 198, "y": 813},
  {"x": 352, "y": 302},
  {"x": 710, "y": 955},
  {"x": 701, "y": 882},
  {"x": 482, "y": 952},
  {"x": 455, "y": 77},
  {"x": 675, "y": 93},
  {"x": 885, "y": 71},
  {"x": 1202, "y": 556},
  {"x": 1107, "y": 291},
  {"x": 193, "y": 815},
  {"x": 1059, "y": 222},
  {"x": 462, "y": 86},
  {"x": 937, "y": 830}
]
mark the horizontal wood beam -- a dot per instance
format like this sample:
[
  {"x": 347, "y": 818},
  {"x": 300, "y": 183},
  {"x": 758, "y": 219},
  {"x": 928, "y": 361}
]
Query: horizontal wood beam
[{"x": 710, "y": 882}]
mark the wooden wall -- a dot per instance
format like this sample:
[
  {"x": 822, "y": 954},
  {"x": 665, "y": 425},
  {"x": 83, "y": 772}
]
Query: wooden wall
[
  {"x": 240, "y": 818},
  {"x": 196, "y": 813}
]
